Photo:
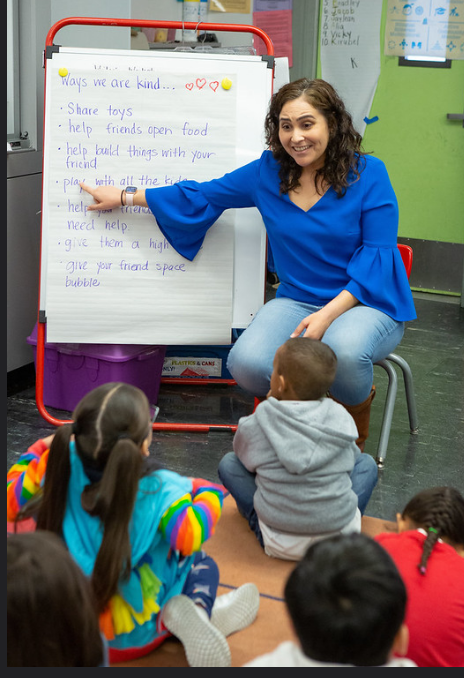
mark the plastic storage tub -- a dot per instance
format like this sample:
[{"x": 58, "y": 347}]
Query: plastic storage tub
[{"x": 72, "y": 370}]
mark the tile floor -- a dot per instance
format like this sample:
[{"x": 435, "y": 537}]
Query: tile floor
[{"x": 433, "y": 345}]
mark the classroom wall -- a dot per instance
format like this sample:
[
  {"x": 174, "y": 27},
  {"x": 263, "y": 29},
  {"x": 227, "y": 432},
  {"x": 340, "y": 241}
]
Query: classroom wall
[
  {"x": 171, "y": 10},
  {"x": 415, "y": 138},
  {"x": 104, "y": 37},
  {"x": 24, "y": 195},
  {"x": 424, "y": 155}
]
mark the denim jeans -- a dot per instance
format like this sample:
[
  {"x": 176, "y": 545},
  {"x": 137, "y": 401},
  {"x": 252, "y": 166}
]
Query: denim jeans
[
  {"x": 242, "y": 485},
  {"x": 202, "y": 581},
  {"x": 359, "y": 337}
]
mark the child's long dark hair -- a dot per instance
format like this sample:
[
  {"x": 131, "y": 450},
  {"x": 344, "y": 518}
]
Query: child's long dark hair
[
  {"x": 440, "y": 512},
  {"x": 52, "y": 616},
  {"x": 110, "y": 425}
]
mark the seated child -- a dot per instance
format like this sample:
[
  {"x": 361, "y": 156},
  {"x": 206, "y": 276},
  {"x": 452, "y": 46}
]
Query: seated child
[
  {"x": 52, "y": 617},
  {"x": 135, "y": 530},
  {"x": 429, "y": 553},
  {"x": 346, "y": 601},
  {"x": 296, "y": 472}
]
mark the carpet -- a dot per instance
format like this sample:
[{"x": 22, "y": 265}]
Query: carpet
[{"x": 241, "y": 559}]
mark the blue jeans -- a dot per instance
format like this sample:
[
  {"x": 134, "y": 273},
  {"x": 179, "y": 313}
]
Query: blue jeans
[
  {"x": 202, "y": 581},
  {"x": 359, "y": 337},
  {"x": 242, "y": 485}
]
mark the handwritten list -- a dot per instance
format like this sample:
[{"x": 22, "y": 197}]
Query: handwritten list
[
  {"x": 350, "y": 53},
  {"x": 111, "y": 277}
]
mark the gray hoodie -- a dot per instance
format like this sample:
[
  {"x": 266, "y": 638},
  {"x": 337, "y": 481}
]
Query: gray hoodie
[{"x": 302, "y": 453}]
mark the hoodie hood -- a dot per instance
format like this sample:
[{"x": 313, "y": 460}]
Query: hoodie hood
[{"x": 294, "y": 430}]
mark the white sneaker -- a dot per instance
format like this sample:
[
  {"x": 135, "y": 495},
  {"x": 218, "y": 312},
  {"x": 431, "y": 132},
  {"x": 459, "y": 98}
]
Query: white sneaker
[
  {"x": 204, "y": 644},
  {"x": 236, "y": 610}
]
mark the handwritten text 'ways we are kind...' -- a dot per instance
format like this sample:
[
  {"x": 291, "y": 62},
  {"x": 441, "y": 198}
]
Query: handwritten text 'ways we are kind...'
[{"x": 137, "y": 83}]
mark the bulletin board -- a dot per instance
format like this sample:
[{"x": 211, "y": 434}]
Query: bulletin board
[{"x": 147, "y": 119}]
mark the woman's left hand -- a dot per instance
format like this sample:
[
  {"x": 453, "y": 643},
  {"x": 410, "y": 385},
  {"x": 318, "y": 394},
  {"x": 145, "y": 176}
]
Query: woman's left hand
[{"x": 314, "y": 326}]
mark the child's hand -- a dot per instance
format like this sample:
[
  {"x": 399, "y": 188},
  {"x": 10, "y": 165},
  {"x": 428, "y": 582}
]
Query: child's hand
[{"x": 48, "y": 440}]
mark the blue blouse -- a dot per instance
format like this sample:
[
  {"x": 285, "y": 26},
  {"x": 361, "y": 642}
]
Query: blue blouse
[{"x": 347, "y": 243}]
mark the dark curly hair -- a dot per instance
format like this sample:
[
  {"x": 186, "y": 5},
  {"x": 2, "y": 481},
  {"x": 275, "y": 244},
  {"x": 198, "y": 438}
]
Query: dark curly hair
[{"x": 343, "y": 156}]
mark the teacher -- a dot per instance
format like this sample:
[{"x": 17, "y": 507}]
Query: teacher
[{"x": 331, "y": 217}]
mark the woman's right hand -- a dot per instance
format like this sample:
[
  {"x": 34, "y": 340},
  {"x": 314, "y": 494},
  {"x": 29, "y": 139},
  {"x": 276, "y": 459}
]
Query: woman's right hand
[{"x": 105, "y": 197}]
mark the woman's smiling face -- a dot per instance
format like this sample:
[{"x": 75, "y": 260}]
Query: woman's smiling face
[{"x": 303, "y": 133}]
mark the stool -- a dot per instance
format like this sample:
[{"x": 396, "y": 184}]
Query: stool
[
  {"x": 406, "y": 256},
  {"x": 392, "y": 388}
]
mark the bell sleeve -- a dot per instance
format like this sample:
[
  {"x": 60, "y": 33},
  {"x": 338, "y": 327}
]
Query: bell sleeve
[
  {"x": 185, "y": 211},
  {"x": 376, "y": 271}
]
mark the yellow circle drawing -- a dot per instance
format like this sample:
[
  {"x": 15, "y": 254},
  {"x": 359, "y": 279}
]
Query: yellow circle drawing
[{"x": 226, "y": 83}]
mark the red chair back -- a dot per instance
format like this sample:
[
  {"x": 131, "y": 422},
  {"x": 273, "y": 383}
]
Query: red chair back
[{"x": 406, "y": 255}]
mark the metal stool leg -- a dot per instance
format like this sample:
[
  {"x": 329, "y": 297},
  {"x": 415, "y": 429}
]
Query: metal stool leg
[
  {"x": 409, "y": 390},
  {"x": 388, "y": 411}
]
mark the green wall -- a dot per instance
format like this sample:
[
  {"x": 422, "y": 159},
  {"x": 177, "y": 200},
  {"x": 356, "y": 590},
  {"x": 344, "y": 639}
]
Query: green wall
[{"x": 422, "y": 149}]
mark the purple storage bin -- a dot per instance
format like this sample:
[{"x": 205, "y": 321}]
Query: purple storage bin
[{"x": 72, "y": 370}]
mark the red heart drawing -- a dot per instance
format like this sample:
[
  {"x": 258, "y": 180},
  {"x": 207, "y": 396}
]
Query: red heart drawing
[
  {"x": 189, "y": 86},
  {"x": 201, "y": 82},
  {"x": 214, "y": 85}
]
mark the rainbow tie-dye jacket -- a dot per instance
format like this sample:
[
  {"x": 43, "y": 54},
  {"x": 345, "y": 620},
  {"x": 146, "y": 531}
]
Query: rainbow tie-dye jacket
[{"x": 173, "y": 516}]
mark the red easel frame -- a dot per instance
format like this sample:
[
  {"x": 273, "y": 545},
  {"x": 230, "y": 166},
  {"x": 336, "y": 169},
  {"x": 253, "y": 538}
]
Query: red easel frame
[{"x": 40, "y": 351}]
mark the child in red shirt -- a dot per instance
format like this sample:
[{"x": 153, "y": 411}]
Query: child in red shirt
[{"x": 429, "y": 554}]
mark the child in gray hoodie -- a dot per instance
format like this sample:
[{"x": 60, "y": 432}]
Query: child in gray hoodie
[{"x": 296, "y": 472}]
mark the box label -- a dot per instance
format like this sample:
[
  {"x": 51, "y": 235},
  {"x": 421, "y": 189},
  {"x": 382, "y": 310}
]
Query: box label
[{"x": 192, "y": 367}]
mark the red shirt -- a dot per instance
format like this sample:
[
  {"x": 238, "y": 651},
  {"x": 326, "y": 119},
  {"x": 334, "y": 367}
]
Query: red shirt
[{"x": 435, "y": 608}]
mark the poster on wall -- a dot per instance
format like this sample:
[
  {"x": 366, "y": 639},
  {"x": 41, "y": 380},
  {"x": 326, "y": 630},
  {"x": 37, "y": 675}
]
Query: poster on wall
[
  {"x": 425, "y": 29},
  {"x": 274, "y": 17},
  {"x": 350, "y": 53},
  {"x": 232, "y": 6}
]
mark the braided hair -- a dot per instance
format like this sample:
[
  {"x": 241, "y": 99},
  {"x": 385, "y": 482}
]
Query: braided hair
[{"x": 440, "y": 512}]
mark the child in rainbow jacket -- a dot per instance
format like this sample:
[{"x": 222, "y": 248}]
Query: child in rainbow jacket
[{"x": 135, "y": 530}]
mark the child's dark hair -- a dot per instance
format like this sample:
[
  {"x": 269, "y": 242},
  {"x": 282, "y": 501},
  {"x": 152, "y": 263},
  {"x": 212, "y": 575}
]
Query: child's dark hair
[
  {"x": 52, "y": 617},
  {"x": 110, "y": 424},
  {"x": 341, "y": 166},
  {"x": 308, "y": 365},
  {"x": 347, "y": 601},
  {"x": 439, "y": 511}
]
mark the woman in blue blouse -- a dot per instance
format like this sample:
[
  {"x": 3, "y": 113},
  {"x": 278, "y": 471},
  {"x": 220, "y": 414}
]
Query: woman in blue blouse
[{"x": 331, "y": 217}]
